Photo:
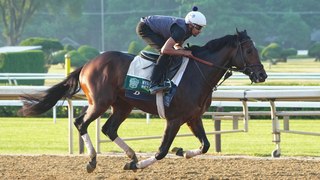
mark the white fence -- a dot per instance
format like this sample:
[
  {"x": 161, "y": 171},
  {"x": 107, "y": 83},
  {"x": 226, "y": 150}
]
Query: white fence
[
  {"x": 12, "y": 78},
  {"x": 274, "y": 98}
]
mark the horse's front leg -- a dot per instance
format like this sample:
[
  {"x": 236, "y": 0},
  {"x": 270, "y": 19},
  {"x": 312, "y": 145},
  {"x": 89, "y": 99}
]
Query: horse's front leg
[
  {"x": 120, "y": 111},
  {"x": 170, "y": 133},
  {"x": 82, "y": 123},
  {"x": 82, "y": 128},
  {"x": 196, "y": 126}
]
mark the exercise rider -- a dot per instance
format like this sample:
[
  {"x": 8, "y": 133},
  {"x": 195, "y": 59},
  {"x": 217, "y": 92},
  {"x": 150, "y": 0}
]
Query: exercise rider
[{"x": 167, "y": 34}]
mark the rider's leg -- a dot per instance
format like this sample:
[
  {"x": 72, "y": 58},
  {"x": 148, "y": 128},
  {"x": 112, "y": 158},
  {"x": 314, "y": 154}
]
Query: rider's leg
[{"x": 158, "y": 74}]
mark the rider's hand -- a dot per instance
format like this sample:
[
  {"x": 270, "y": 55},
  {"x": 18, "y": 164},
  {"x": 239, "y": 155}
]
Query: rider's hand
[{"x": 188, "y": 53}]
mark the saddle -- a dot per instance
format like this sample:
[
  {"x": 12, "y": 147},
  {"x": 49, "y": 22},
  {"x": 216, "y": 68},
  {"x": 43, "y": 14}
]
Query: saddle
[
  {"x": 174, "y": 65},
  {"x": 137, "y": 81}
]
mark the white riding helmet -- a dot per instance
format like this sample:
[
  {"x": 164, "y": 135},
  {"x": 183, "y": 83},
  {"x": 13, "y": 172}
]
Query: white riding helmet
[{"x": 195, "y": 17}]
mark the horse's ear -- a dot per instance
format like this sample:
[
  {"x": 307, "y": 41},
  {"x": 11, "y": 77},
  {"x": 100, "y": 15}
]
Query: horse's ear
[{"x": 237, "y": 31}]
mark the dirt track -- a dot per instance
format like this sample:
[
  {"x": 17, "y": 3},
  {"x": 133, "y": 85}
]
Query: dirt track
[{"x": 205, "y": 167}]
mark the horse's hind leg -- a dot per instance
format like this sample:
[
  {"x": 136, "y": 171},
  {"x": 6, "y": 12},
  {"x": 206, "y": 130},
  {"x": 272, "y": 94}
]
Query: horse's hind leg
[
  {"x": 196, "y": 126},
  {"x": 120, "y": 111},
  {"x": 82, "y": 123},
  {"x": 170, "y": 133}
]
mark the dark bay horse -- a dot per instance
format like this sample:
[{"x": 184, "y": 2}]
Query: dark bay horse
[{"x": 102, "y": 81}]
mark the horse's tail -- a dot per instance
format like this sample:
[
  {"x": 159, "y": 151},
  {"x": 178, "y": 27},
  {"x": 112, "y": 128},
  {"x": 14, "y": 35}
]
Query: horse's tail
[{"x": 35, "y": 104}]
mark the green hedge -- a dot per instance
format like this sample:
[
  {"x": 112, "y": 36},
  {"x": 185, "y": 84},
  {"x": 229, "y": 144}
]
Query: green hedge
[
  {"x": 88, "y": 52},
  {"x": 24, "y": 62},
  {"x": 48, "y": 45}
]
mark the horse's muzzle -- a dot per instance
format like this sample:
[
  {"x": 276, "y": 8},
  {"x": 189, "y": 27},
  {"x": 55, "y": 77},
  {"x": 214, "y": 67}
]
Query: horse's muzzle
[
  {"x": 256, "y": 73},
  {"x": 259, "y": 76}
]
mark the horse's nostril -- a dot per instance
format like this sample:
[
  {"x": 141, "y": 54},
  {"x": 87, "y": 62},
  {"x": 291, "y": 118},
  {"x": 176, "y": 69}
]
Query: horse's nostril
[{"x": 263, "y": 75}]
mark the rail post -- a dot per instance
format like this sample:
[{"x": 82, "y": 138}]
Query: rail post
[
  {"x": 70, "y": 106},
  {"x": 217, "y": 127}
]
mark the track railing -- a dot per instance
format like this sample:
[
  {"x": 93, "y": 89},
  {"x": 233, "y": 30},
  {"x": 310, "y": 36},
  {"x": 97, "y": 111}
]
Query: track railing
[{"x": 245, "y": 98}]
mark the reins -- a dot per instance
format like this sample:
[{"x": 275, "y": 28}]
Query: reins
[{"x": 229, "y": 70}]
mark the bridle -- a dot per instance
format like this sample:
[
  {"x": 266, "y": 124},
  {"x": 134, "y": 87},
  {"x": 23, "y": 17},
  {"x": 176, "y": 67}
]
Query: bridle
[{"x": 247, "y": 68}]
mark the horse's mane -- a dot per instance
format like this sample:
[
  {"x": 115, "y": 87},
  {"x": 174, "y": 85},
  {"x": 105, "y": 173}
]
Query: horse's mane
[{"x": 216, "y": 44}]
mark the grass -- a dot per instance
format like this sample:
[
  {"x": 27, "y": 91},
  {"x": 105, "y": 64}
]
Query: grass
[
  {"x": 294, "y": 65},
  {"x": 42, "y": 136}
]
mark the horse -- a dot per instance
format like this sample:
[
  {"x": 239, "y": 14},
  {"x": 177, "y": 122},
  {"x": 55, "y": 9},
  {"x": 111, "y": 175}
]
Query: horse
[{"x": 102, "y": 79}]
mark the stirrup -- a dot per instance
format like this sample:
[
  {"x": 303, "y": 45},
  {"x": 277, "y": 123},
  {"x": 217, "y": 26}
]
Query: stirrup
[{"x": 160, "y": 87}]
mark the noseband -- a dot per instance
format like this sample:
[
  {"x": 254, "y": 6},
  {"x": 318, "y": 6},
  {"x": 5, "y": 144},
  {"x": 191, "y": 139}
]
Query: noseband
[{"x": 247, "y": 68}]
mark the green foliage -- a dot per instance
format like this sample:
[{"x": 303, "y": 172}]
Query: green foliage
[
  {"x": 149, "y": 48},
  {"x": 272, "y": 51},
  {"x": 275, "y": 53},
  {"x": 24, "y": 62},
  {"x": 314, "y": 51},
  {"x": 68, "y": 47},
  {"x": 88, "y": 52},
  {"x": 260, "y": 18},
  {"x": 16, "y": 15},
  {"x": 77, "y": 59},
  {"x": 288, "y": 52},
  {"x": 48, "y": 45},
  {"x": 58, "y": 57},
  {"x": 134, "y": 48}
]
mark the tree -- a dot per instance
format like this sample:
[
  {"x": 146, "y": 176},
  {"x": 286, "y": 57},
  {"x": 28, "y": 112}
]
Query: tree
[
  {"x": 275, "y": 53},
  {"x": 271, "y": 52},
  {"x": 16, "y": 13},
  {"x": 314, "y": 51}
]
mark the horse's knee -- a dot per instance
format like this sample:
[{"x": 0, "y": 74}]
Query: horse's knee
[
  {"x": 78, "y": 123},
  {"x": 109, "y": 131},
  {"x": 160, "y": 155},
  {"x": 205, "y": 148}
]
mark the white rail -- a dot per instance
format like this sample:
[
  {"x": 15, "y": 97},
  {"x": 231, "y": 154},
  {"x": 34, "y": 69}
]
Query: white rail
[
  {"x": 245, "y": 98},
  {"x": 13, "y": 78}
]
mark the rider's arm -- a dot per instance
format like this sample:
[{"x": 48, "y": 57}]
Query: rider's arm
[
  {"x": 173, "y": 46},
  {"x": 168, "y": 48}
]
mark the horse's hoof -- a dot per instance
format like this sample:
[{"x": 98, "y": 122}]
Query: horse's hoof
[
  {"x": 131, "y": 166},
  {"x": 178, "y": 151},
  {"x": 91, "y": 166}
]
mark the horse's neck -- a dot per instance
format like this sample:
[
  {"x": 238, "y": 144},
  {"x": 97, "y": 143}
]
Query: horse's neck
[
  {"x": 204, "y": 78},
  {"x": 221, "y": 59}
]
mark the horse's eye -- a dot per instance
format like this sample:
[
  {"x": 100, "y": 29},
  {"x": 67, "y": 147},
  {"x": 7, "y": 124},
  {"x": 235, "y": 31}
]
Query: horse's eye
[{"x": 249, "y": 51}]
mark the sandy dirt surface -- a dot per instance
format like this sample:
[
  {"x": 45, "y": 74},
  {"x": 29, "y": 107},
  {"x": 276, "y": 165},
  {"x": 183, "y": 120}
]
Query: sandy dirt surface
[{"x": 111, "y": 167}]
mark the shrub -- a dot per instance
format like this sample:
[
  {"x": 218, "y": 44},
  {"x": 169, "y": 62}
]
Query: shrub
[
  {"x": 314, "y": 51},
  {"x": 149, "y": 48},
  {"x": 68, "y": 47},
  {"x": 59, "y": 57},
  {"x": 77, "y": 60},
  {"x": 24, "y": 62},
  {"x": 134, "y": 48},
  {"x": 286, "y": 53},
  {"x": 48, "y": 45},
  {"x": 88, "y": 52},
  {"x": 272, "y": 51}
]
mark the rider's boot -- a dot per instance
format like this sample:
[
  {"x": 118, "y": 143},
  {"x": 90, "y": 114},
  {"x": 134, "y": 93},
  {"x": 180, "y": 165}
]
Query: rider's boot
[{"x": 158, "y": 75}]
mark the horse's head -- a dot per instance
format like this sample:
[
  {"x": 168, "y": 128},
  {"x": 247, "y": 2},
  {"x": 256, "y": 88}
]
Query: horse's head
[{"x": 247, "y": 58}]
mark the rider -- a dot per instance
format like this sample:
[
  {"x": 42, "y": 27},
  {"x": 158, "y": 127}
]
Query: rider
[{"x": 166, "y": 34}]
